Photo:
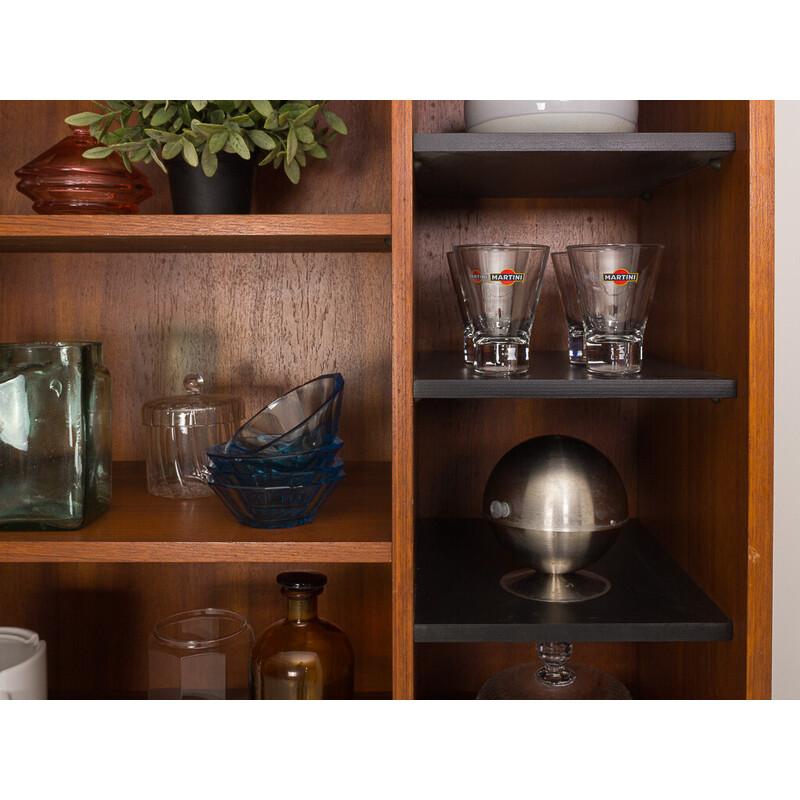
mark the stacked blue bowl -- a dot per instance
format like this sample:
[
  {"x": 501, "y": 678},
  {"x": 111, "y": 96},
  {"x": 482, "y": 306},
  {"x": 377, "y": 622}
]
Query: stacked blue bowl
[{"x": 281, "y": 466}]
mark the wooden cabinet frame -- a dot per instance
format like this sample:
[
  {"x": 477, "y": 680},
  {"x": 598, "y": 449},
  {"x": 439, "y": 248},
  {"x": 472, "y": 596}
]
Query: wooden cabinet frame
[{"x": 700, "y": 472}]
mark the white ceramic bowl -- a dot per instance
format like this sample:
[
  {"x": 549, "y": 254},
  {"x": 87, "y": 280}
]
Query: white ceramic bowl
[{"x": 551, "y": 116}]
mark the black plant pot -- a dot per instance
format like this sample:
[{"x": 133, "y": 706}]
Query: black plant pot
[{"x": 228, "y": 191}]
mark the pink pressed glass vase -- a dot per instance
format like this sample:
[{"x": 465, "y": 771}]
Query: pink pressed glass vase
[{"x": 61, "y": 181}]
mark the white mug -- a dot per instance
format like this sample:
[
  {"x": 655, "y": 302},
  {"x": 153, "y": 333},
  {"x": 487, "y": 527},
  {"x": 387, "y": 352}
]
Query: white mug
[{"x": 23, "y": 665}]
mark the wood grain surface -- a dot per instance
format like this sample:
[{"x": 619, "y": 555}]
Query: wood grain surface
[
  {"x": 254, "y": 324},
  {"x": 403, "y": 327},
  {"x": 761, "y": 396},
  {"x": 96, "y": 618},
  {"x": 705, "y": 469},
  {"x": 353, "y": 525},
  {"x": 190, "y": 233}
]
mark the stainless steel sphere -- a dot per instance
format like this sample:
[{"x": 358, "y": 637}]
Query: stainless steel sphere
[{"x": 555, "y": 503}]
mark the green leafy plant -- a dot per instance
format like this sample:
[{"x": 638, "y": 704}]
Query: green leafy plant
[{"x": 288, "y": 131}]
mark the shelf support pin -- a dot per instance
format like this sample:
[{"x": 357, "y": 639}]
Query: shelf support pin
[
  {"x": 388, "y": 242},
  {"x": 715, "y": 164}
]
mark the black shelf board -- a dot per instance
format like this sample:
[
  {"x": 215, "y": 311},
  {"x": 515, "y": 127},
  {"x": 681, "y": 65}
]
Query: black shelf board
[
  {"x": 458, "y": 597},
  {"x": 560, "y": 164},
  {"x": 445, "y": 375}
]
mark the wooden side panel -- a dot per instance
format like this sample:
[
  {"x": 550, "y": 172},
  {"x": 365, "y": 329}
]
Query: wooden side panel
[
  {"x": 705, "y": 469},
  {"x": 761, "y": 397},
  {"x": 402, "y": 402}
]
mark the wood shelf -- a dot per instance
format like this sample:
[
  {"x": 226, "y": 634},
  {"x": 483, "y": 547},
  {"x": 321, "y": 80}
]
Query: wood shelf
[
  {"x": 207, "y": 233},
  {"x": 143, "y": 696},
  {"x": 560, "y": 164},
  {"x": 444, "y": 375},
  {"x": 353, "y": 526},
  {"x": 459, "y": 597}
]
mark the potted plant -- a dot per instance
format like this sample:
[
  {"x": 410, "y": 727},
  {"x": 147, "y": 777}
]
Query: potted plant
[{"x": 209, "y": 148}]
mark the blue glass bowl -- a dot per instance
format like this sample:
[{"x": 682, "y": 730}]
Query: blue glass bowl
[
  {"x": 266, "y": 464},
  {"x": 304, "y": 418},
  {"x": 274, "y": 479},
  {"x": 274, "y": 507}
]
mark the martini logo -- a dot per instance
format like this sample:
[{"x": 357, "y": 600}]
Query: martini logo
[
  {"x": 507, "y": 277},
  {"x": 621, "y": 277}
]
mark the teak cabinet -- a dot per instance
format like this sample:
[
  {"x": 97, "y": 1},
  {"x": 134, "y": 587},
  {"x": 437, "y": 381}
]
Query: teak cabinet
[{"x": 346, "y": 272}]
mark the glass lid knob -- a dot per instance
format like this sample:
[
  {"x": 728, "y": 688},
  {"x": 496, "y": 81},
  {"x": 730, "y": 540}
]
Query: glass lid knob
[{"x": 193, "y": 383}]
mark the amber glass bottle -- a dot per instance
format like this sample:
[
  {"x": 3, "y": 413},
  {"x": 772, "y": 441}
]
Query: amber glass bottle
[{"x": 302, "y": 657}]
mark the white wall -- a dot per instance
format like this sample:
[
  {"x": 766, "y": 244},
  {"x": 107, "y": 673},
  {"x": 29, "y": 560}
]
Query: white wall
[{"x": 786, "y": 570}]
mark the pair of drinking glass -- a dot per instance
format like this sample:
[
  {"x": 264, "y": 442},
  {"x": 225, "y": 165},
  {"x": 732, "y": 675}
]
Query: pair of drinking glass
[{"x": 606, "y": 289}]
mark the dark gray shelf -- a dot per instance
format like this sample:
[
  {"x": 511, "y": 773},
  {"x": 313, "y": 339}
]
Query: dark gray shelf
[
  {"x": 560, "y": 164},
  {"x": 444, "y": 375},
  {"x": 458, "y": 597}
]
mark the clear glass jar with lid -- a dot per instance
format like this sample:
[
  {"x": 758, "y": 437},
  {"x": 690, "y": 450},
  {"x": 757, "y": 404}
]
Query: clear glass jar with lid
[{"x": 180, "y": 429}]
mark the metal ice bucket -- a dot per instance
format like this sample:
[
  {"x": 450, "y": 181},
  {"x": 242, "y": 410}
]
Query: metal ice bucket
[{"x": 556, "y": 504}]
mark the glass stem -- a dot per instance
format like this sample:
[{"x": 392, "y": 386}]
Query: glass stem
[{"x": 555, "y": 655}]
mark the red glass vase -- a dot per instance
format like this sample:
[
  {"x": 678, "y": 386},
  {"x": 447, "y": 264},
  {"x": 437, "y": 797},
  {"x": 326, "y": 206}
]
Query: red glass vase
[{"x": 61, "y": 181}]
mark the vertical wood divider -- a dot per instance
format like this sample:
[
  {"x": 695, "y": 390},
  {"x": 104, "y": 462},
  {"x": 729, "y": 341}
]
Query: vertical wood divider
[
  {"x": 760, "y": 399},
  {"x": 402, "y": 402}
]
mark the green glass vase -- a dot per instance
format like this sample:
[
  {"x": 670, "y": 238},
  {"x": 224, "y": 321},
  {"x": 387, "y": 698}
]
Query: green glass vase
[{"x": 55, "y": 435}]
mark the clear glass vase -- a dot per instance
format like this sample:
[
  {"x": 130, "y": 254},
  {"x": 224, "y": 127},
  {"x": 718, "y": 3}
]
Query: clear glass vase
[
  {"x": 55, "y": 435},
  {"x": 203, "y": 654}
]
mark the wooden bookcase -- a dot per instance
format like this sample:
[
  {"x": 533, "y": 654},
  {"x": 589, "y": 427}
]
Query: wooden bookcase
[{"x": 347, "y": 272}]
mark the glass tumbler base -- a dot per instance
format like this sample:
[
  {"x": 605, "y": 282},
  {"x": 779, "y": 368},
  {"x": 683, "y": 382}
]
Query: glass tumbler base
[
  {"x": 577, "y": 353},
  {"x": 571, "y": 587},
  {"x": 613, "y": 355},
  {"x": 469, "y": 350},
  {"x": 501, "y": 357}
]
